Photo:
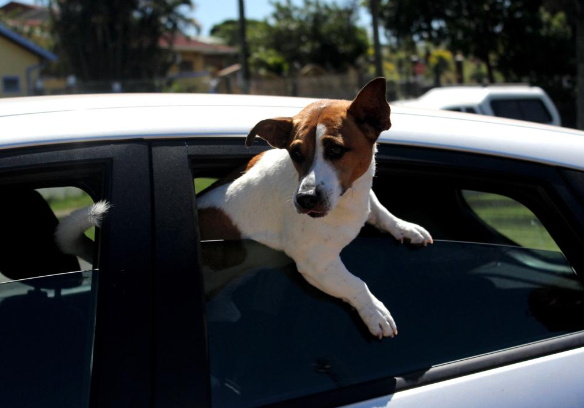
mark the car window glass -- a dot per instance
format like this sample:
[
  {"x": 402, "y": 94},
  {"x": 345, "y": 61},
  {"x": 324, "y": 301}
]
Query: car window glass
[
  {"x": 274, "y": 337},
  {"x": 523, "y": 109},
  {"x": 471, "y": 110},
  {"x": 47, "y": 302},
  {"x": 534, "y": 110},
  {"x": 511, "y": 219}
]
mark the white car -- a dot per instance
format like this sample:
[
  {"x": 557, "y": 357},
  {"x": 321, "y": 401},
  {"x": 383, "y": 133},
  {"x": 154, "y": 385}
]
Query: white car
[
  {"x": 529, "y": 103},
  {"x": 490, "y": 315}
]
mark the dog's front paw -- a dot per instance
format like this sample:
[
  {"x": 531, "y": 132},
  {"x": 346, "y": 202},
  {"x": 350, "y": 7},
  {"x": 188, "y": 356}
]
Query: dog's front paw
[
  {"x": 413, "y": 233},
  {"x": 378, "y": 319}
]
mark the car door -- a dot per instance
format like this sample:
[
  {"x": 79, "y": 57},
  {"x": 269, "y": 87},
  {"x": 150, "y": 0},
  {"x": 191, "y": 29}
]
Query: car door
[
  {"x": 75, "y": 334},
  {"x": 476, "y": 306}
]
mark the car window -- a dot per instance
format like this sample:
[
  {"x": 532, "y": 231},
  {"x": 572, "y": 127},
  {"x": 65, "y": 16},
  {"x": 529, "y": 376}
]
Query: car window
[
  {"x": 524, "y": 109},
  {"x": 47, "y": 302},
  {"x": 511, "y": 219},
  {"x": 274, "y": 337}
]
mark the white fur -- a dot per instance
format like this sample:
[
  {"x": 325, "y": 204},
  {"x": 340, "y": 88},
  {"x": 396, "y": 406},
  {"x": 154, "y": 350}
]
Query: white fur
[
  {"x": 260, "y": 205},
  {"x": 321, "y": 174},
  {"x": 69, "y": 234}
]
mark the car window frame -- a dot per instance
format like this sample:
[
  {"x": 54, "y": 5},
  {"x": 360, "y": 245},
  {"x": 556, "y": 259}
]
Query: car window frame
[
  {"x": 123, "y": 321},
  {"x": 525, "y": 182}
]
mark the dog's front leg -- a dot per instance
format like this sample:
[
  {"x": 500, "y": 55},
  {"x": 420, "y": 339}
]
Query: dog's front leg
[
  {"x": 331, "y": 276},
  {"x": 384, "y": 220}
]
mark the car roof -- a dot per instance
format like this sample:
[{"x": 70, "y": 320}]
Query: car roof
[
  {"x": 36, "y": 121},
  {"x": 469, "y": 95}
]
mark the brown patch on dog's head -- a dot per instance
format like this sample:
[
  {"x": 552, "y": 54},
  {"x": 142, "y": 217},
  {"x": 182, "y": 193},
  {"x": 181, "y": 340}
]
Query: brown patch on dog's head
[
  {"x": 370, "y": 109},
  {"x": 340, "y": 134},
  {"x": 275, "y": 131}
]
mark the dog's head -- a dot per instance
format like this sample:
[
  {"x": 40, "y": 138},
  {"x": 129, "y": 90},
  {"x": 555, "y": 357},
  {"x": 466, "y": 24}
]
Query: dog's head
[{"x": 331, "y": 144}]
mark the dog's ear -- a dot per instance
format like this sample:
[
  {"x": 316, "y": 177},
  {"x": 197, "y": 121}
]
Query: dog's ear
[
  {"x": 370, "y": 108},
  {"x": 275, "y": 131}
]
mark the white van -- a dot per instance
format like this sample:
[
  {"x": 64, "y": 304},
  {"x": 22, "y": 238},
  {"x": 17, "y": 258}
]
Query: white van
[{"x": 529, "y": 103}]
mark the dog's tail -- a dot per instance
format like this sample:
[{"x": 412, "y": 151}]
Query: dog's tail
[{"x": 69, "y": 235}]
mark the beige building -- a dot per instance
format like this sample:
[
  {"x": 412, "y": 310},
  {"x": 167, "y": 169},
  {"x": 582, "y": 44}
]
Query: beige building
[{"x": 20, "y": 64}]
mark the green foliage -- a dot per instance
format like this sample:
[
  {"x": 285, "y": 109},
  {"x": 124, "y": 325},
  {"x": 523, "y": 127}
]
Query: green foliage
[
  {"x": 503, "y": 34},
  {"x": 116, "y": 40},
  {"x": 262, "y": 58},
  {"x": 319, "y": 33}
]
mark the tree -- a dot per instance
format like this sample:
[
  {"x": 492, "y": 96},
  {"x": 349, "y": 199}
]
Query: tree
[
  {"x": 117, "y": 40},
  {"x": 297, "y": 35},
  {"x": 473, "y": 27},
  {"x": 262, "y": 58},
  {"x": 319, "y": 33},
  {"x": 573, "y": 11}
]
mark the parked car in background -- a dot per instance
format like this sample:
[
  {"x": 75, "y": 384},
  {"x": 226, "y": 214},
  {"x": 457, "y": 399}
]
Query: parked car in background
[
  {"x": 490, "y": 315},
  {"x": 529, "y": 103}
]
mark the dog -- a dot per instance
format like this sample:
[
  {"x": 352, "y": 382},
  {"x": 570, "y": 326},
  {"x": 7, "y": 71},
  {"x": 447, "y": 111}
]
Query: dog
[{"x": 308, "y": 197}]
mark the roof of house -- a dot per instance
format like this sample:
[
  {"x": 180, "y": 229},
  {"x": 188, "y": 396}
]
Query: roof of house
[
  {"x": 184, "y": 43},
  {"x": 26, "y": 14},
  {"x": 26, "y": 44}
]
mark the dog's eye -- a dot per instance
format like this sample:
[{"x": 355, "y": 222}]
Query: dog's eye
[
  {"x": 296, "y": 156},
  {"x": 335, "y": 151}
]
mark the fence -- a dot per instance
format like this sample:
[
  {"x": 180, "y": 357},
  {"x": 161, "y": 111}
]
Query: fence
[{"x": 333, "y": 86}]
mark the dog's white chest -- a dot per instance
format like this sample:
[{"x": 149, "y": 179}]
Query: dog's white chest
[{"x": 260, "y": 205}]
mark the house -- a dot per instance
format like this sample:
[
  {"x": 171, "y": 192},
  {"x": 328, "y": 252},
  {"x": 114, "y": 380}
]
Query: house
[
  {"x": 198, "y": 56},
  {"x": 21, "y": 61},
  {"x": 31, "y": 17}
]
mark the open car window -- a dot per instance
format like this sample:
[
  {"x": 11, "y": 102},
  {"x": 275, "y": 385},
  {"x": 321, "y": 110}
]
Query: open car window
[{"x": 493, "y": 280}]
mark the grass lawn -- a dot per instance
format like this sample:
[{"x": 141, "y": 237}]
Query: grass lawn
[
  {"x": 505, "y": 215},
  {"x": 511, "y": 219},
  {"x": 202, "y": 183}
]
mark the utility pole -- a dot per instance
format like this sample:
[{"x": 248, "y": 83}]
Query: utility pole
[
  {"x": 374, "y": 8},
  {"x": 243, "y": 53}
]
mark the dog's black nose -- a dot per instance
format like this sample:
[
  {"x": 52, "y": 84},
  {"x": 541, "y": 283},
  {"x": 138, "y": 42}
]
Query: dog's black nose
[{"x": 307, "y": 200}]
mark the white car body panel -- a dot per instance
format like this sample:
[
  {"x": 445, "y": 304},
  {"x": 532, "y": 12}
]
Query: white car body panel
[
  {"x": 551, "y": 381},
  {"x": 50, "y": 120}
]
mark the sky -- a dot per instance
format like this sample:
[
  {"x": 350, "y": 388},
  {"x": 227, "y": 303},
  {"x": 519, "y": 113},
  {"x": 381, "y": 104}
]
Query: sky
[{"x": 211, "y": 12}]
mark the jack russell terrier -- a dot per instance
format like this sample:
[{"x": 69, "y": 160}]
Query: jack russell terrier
[{"x": 309, "y": 197}]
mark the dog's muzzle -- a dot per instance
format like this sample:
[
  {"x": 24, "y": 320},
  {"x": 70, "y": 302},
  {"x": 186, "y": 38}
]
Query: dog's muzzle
[{"x": 311, "y": 203}]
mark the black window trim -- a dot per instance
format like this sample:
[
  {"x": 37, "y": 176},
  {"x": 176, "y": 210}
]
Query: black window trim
[
  {"x": 122, "y": 366},
  {"x": 524, "y": 182},
  {"x": 181, "y": 352}
]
